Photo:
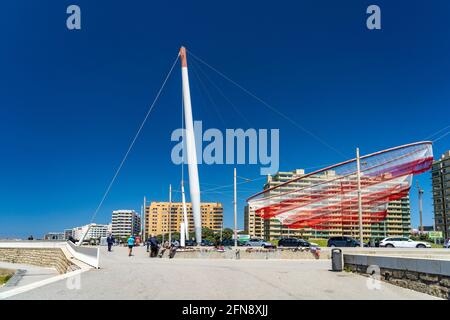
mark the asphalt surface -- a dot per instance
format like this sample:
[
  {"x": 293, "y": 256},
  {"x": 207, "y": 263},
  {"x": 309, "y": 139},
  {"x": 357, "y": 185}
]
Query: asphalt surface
[{"x": 141, "y": 277}]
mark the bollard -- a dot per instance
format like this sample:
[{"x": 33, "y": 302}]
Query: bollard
[{"x": 337, "y": 261}]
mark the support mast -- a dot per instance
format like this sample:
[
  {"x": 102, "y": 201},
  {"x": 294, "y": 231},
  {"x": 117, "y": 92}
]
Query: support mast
[{"x": 194, "y": 185}]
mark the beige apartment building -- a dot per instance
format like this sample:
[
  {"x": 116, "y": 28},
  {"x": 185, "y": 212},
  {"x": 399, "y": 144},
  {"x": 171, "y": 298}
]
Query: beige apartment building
[
  {"x": 440, "y": 177},
  {"x": 157, "y": 217},
  {"x": 397, "y": 222}
]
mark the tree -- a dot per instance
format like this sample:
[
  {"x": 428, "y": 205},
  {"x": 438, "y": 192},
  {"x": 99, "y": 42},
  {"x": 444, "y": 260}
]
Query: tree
[{"x": 227, "y": 234}]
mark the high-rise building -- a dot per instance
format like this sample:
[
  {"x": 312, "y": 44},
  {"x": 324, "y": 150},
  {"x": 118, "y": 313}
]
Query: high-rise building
[
  {"x": 125, "y": 223},
  {"x": 253, "y": 223},
  {"x": 397, "y": 222},
  {"x": 157, "y": 217},
  {"x": 440, "y": 176}
]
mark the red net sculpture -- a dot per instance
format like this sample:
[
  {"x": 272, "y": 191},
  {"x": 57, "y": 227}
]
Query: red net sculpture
[{"x": 329, "y": 197}]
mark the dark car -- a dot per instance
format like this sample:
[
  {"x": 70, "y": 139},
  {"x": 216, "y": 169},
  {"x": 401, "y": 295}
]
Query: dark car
[
  {"x": 344, "y": 242},
  {"x": 190, "y": 243},
  {"x": 293, "y": 243},
  {"x": 229, "y": 243},
  {"x": 206, "y": 243}
]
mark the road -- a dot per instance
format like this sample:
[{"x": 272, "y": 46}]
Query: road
[{"x": 141, "y": 277}]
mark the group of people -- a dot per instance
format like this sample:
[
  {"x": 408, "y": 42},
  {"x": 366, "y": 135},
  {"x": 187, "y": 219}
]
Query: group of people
[
  {"x": 152, "y": 243},
  {"x": 157, "y": 250}
]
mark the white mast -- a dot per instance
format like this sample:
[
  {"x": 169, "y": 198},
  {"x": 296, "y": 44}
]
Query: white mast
[{"x": 194, "y": 186}]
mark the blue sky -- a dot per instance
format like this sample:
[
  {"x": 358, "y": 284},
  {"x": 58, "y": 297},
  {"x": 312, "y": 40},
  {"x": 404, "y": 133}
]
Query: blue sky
[{"x": 71, "y": 101}]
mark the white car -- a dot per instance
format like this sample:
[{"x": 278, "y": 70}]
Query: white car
[{"x": 401, "y": 242}]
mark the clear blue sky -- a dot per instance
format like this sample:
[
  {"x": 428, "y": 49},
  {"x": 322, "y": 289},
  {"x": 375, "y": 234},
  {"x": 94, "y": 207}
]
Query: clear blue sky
[{"x": 71, "y": 101}]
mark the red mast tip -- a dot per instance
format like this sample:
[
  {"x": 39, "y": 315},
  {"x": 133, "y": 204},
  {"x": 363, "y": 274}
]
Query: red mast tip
[{"x": 183, "y": 57}]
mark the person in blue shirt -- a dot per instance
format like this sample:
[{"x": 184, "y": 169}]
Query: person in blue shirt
[{"x": 130, "y": 242}]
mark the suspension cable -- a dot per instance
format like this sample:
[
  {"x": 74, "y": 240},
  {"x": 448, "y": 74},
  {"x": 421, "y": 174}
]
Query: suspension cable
[
  {"x": 273, "y": 109},
  {"x": 133, "y": 141}
]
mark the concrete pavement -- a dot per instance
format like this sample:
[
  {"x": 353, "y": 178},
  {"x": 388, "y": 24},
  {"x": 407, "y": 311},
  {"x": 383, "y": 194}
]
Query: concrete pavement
[
  {"x": 26, "y": 275},
  {"x": 141, "y": 277}
]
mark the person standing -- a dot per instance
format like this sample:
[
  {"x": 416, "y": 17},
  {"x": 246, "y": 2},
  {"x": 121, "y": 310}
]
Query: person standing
[
  {"x": 130, "y": 242},
  {"x": 110, "y": 242},
  {"x": 153, "y": 246}
]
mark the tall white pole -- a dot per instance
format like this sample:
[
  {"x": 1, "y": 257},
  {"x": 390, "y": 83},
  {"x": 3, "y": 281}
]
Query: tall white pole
[
  {"x": 235, "y": 211},
  {"x": 420, "y": 207},
  {"x": 169, "y": 224},
  {"x": 144, "y": 222},
  {"x": 185, "y": 216},
  {"x": 182, "y": 237},
  {"x": 358, "y": 177},
  {"x": 194, "y": 185}
]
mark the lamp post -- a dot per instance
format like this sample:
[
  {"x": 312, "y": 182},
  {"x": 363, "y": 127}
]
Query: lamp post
[
  {"x": 235, "y": 210},
  {"x": 358, "y": 177}
]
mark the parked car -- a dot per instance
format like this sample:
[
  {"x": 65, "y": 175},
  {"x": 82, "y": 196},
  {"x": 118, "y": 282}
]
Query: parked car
[
  {"x": 190, "y": 243},
  {"x": 229, "y": 243},
  {"x": 344, "y": 242},
  {"x": 447, "y": 243},
  {"x": 403, "y": 242},
  {"x": 294, "y": 243},
  {"x": 206, "y": 243},
  {"x": 258, "y": 243}
]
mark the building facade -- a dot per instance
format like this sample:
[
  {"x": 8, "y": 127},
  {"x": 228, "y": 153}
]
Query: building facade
[
  {"x": 440, "y": 176},
  {"x": 125, "y": 223},
  {"x": 157, "y": 217},
  {"x": 54, "y": 236},
  {"x": 397, "y": 222},
  {"x": 68, "y": 233},
  {"x": 95, "y": 231}
]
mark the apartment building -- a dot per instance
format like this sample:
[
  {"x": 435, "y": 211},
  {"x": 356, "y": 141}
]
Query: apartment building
[
  {"x": 440, "y": 177},
  {"x": 125, "y": 223},
  {"x": 157, "y": 217}
]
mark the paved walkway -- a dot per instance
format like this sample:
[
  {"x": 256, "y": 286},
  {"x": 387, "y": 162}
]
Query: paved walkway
[
  {"x": 26, "y": 274},
  {"x": 141, "y": 277}
]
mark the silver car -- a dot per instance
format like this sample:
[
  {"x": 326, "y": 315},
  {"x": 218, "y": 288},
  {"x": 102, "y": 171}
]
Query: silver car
[{"x": 258, "y": 243}]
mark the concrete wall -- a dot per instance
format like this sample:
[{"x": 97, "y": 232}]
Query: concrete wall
[
  {"x": 429, "y": 276},
  {"x": 43, "y": 257},
  {"x": 80, "y": 256},
  {"x": 253, "y": 253}
]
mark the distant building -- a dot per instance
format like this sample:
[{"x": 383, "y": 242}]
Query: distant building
[
  {"x": 125, "y": 223},
  {"x": 95, "y": 231},
  {"x": 54, "y": 236},
  {"x": 157, "y": 217},
  {"x": 68, "y": 233},
  {"x": 440, "y": 177},
  {"x": 397, "y": 222},
  {"x": 253, "y": 223}
]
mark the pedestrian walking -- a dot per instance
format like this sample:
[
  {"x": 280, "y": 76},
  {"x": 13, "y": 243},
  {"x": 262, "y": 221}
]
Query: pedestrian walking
[
  {"x": 148, "y": 243},
  {"x": 110, "y": 242},
  {"x": 130, "y": 242}
]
